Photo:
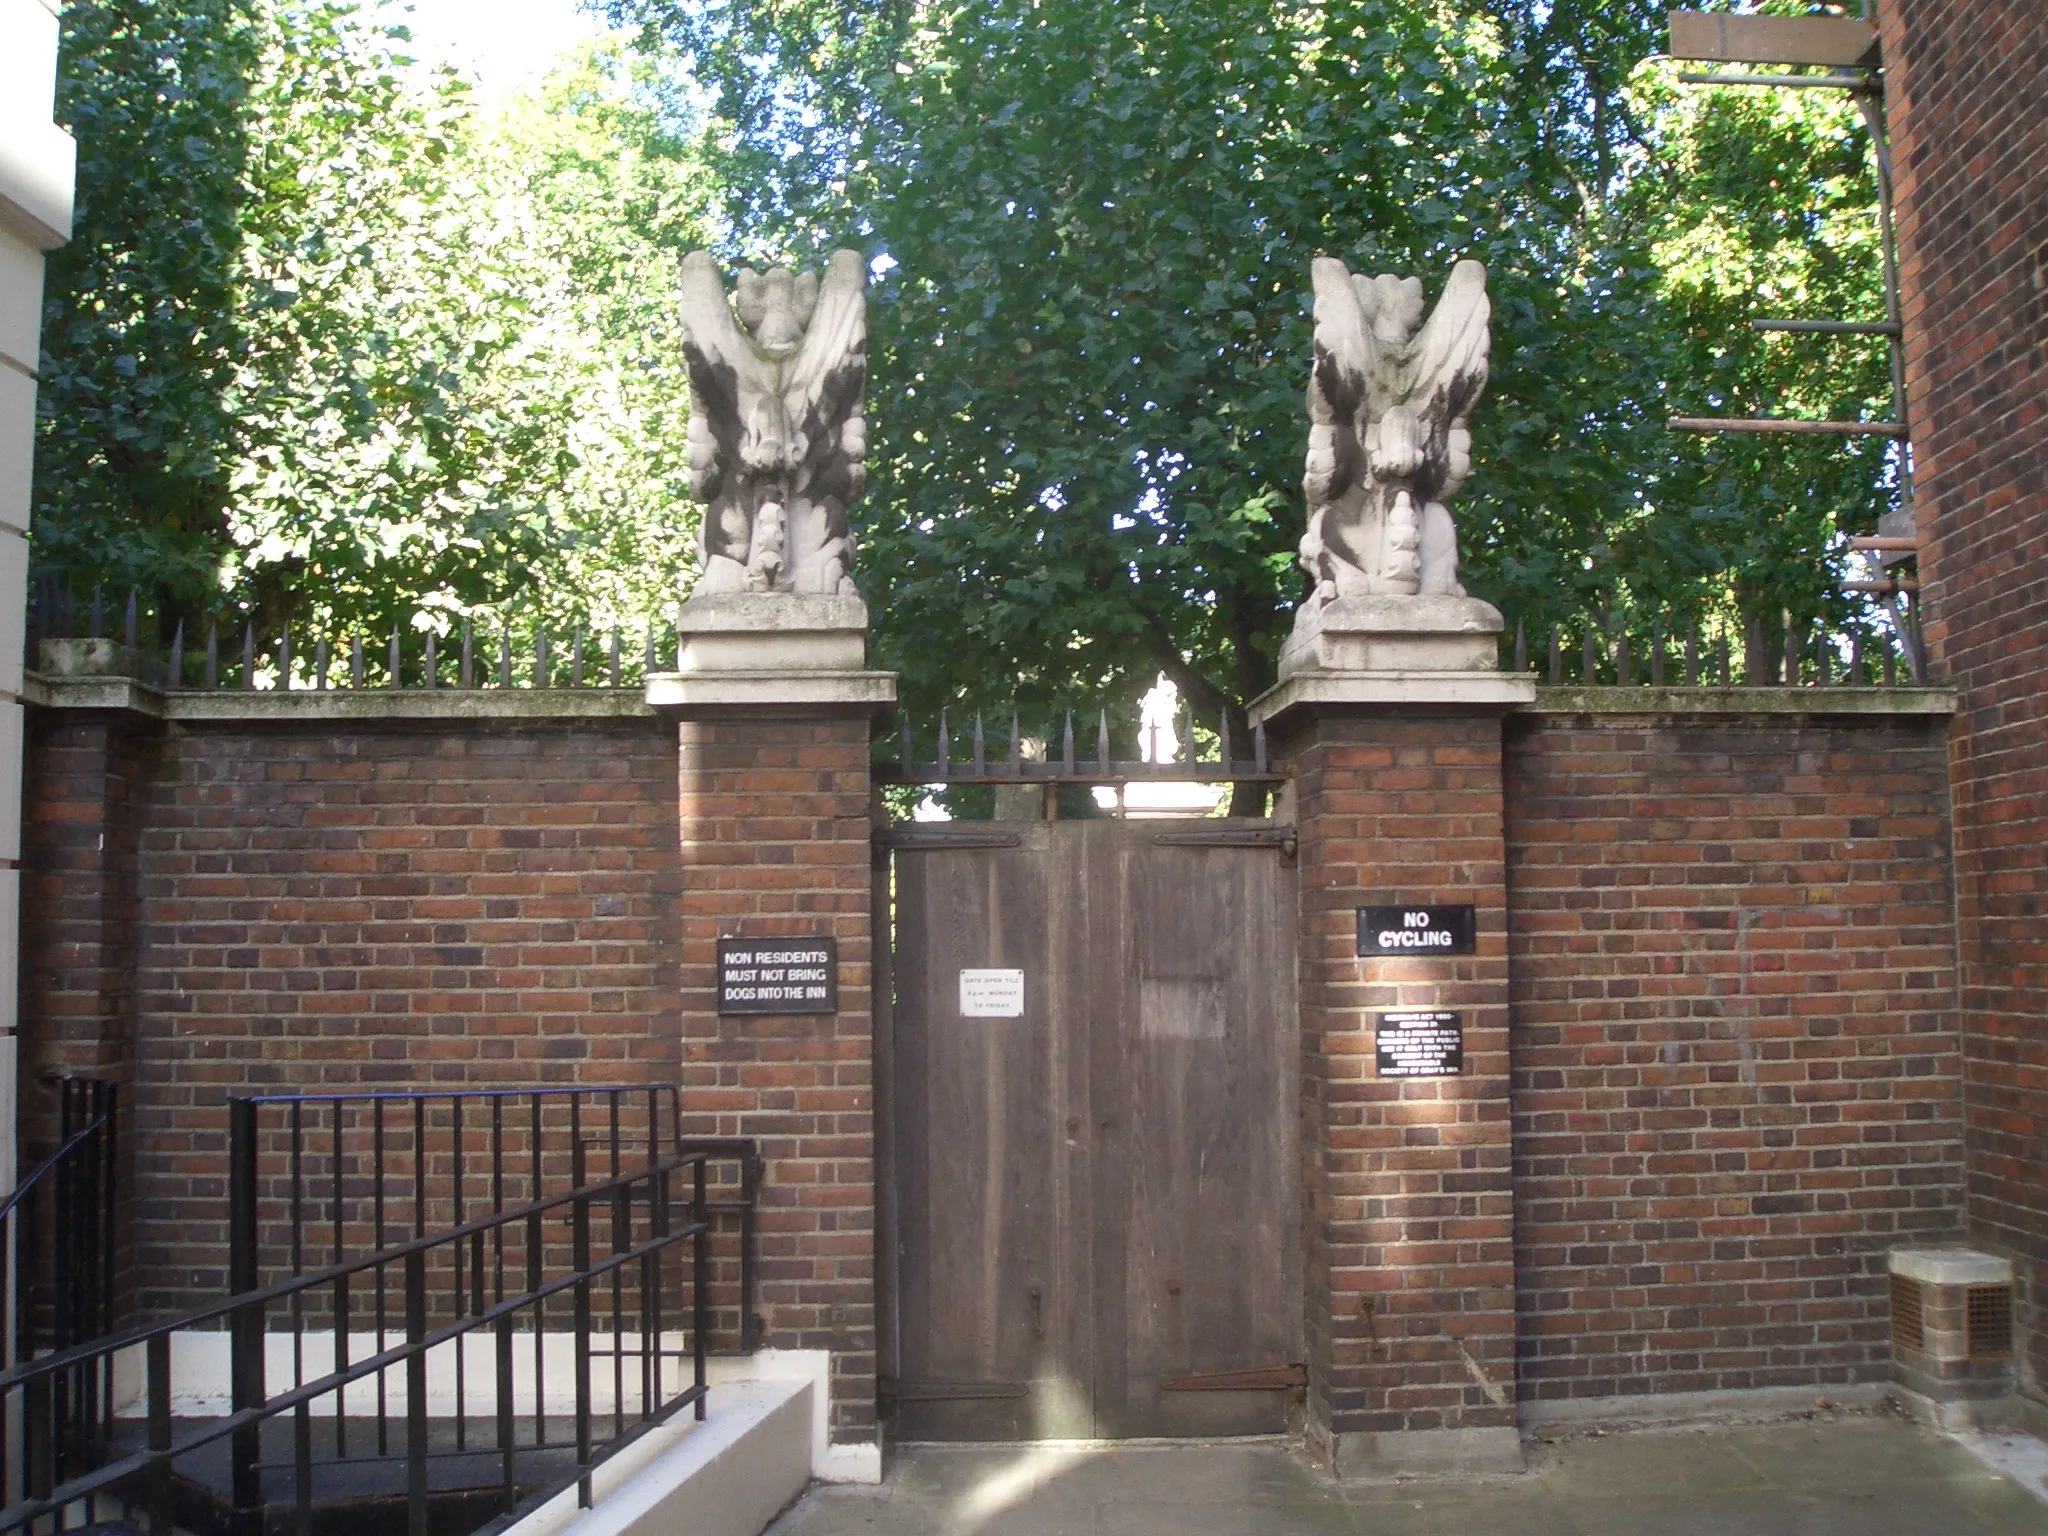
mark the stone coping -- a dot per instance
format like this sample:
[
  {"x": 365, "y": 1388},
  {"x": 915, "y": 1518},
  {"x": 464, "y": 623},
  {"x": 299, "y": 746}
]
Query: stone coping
[
  {"x": 1697, "y": 702},
  {"x": 748, "y": 691},
  {"x": 1950, "y": 1266},
  {"x": 309, "y": 705},
  {"x": 865, "y": 692}
]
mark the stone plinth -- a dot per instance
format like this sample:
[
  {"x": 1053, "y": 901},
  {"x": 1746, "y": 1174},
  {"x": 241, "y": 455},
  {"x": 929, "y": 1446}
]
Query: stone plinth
[
  {"x": 1394, "y": 634},
  {"x": 771, "y": 632}
]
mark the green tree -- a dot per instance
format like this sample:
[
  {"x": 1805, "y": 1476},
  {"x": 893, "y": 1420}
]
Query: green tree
[
  {"x": 439, "y": 372},
  {"x": 1093, "y": 224}
]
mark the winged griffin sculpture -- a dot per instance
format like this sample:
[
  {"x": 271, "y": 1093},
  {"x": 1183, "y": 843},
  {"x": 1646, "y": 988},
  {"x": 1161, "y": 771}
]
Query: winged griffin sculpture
[
  {"x": 777, "y": 438},
  {"x": 1388, "y": 442}
]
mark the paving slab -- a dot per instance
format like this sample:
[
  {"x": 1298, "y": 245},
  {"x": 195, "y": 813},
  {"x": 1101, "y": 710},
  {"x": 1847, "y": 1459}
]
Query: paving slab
[{"x": 1846, "y": 1474}]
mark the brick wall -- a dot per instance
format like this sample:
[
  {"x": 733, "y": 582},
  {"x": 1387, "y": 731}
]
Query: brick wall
[
  {"x": 1736, "y": 1073},
  {"x": 775, "y": 835},
  {"x": 84, "y": 786},
  {"x": 1410, "y": 1260},
  {"x": 1966, "y": 93},
  {"x": 345, "y": 907}
]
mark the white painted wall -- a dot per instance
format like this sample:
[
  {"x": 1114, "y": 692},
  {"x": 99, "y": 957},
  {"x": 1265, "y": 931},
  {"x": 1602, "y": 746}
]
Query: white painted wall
[{"x": 37, "y": 164}]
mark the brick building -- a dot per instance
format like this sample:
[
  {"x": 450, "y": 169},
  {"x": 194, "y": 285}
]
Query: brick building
[{"x": 1966, "y": 94}]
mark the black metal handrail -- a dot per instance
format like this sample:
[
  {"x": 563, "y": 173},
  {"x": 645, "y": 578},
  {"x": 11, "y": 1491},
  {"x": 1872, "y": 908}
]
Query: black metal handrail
[
  {"x": 64, "y": 1482},
  {"x": 317, "y": 1176}
]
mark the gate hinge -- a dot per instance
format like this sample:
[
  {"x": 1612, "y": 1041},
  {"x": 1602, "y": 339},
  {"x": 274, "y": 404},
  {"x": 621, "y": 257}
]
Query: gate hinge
[
  {"x": 1268, "y": 1378},
  {"x": 1282, "y": 838},
  {"x": 889, "y": 1389}
]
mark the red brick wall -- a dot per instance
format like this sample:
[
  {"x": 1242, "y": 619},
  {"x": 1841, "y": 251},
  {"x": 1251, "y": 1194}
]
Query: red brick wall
[
  {"x": 1966, "y": 93},
  {"x": 376, "y": 907},
  {"x": 1736, "y": 1072},
  {"x": 1410, "y": 1259},
  {"x": 775, "y": 838}
]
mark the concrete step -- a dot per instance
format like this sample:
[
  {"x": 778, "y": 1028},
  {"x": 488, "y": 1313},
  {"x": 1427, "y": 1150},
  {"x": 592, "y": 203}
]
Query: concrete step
[{"x": 728, "y": 1476}]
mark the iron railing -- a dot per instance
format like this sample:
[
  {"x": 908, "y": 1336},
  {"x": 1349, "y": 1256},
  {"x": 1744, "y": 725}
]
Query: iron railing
[
  {"x": 57, "y": 1230},
  {"x": 57, "y": 1236},
  {"x": 1633, "y": 650},
  {"x": 232, "y": 652},
  {"x": 318, "y": 1178},
  {"x": 439, "y": 1379}
]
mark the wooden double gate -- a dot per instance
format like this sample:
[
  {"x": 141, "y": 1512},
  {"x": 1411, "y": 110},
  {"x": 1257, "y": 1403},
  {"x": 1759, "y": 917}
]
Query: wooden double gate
[{"x": 1091, "y": 1217}]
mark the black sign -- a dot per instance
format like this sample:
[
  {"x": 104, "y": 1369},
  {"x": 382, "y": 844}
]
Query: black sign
[
  {"x": 778, "y": 975},
  {"x": 1427, "y": 1042},
  {"x": 1417, "y": 930}
]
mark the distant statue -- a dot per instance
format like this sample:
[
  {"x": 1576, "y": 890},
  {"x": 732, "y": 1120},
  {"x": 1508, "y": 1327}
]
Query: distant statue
[
  {"x": 777, "y": 440},
  {"x": 1388, "y": 444}
]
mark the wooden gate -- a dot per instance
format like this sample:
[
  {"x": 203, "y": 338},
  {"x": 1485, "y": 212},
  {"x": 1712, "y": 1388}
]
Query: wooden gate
[{"x": 1091, "y": 1210}]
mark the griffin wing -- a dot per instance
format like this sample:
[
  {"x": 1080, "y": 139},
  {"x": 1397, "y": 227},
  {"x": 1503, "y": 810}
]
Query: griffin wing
[
  {"x": 830, "y": 371},
  {"x": 712, "y": 344},
  {"x": 1449, "y": 362},
  {"x": 1345, "y": 350}
]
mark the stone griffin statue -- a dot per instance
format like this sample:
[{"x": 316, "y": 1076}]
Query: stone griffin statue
[
  {"x": 777, "y": 439},
  {"x": 1388, "y": 444}
]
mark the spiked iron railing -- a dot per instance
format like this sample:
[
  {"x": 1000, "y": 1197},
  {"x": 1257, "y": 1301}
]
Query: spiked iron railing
[{"x": 1016, "y": 765}]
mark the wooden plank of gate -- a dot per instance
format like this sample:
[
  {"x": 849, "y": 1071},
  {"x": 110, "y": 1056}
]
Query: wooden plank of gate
[
  {"x": 979, "y": 1218},
  {"x": 1199, "y": 1242},
  {"x": 1726, "y": 38}
]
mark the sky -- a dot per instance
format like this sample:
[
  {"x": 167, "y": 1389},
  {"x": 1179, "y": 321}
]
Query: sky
[{"x": 504, "y": 43}]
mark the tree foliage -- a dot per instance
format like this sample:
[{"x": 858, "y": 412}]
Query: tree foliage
[
  {"x": 341, "y": 345},
  {"x": 1093, "y": 223}
]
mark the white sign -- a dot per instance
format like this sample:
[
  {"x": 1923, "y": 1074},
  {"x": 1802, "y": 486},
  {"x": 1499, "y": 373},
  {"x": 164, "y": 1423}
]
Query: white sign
[{"x": 991, "y": 994}]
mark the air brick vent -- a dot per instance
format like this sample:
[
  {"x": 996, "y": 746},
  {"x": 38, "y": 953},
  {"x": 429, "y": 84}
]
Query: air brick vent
[
  {"x": 1909, "y": 1322},
  {"x": 1987, "y": 1314}
]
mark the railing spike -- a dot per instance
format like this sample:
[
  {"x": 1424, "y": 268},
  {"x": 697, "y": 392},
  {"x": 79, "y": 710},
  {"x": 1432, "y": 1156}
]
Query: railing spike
[
  {"x": 945, "y": 748},
  {"x": 1657, "y": 657},
  {"x": 1624, "y": 668},
  {"x": 576, "y": 659},
  {"x": 432, "y": 662},
  {"x": 1726, "y": 667},
  {"x": 1891, "y": 666},
  {"x": 1791, "y": 652},
  {"x": 213, "y": 653},
  {"x": 505, "y": 657},
  {"x": 650, "y": 651},
  {"x": 1067, "y": 747},
  {"x": 391, "y": 679},
  {"x": 359, "y": 660},
  {"x": 1223, "y": 740},
  {"x": 284, "y": 658},
  {"x": 1259, "y": 747},
  {"x": 131, "y": 627},
  {"x": 178, "y": 656},
  {"x": 249, "y": 654},
  {"x": 615, "y": 655},
  {"x": 980, "y": 756},
  {"x": 468, "y": 655},
  {"x": 1102, "y": 742},
  {"x": 1589, "y": 660},
  {"x": 540, "y": 658},
  {"x": 321, "y": 662},
  {"x": 1856, "y": 658},
  {"x": 1016, "y": 747},
  {"x": 1521, "y": 647},
  {"x": 1692, "y": 655}
]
